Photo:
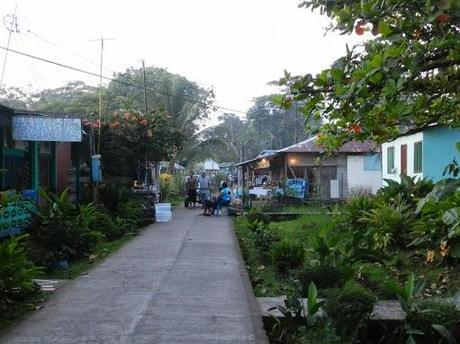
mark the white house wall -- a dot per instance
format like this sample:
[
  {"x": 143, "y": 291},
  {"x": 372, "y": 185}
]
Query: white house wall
[
  {"x": 359, "y": 178},
  {"x": 404, "y": 140}
]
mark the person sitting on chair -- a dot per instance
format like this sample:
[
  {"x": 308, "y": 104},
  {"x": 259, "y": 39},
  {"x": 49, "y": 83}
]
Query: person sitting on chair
[{"x": 225, "y": 196}]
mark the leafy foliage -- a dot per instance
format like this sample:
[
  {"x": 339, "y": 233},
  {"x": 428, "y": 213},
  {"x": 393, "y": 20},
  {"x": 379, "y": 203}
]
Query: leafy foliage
[
  {"x": 63, "y": 229},
  {"x": 287, "y": 254},
  {"x": 324, "y": 276},
  {"x": 406, "y": 77},
  {"x": 132, "y": 137},
  {"x": 388, "y": 223},
  {"x": 16, "y": 272},
  {"x": 264, "y": 238},
  {"x": 409, "y": 190},
  {"x": 350, "y": 308},
  {"x": 437, "y": 320}
]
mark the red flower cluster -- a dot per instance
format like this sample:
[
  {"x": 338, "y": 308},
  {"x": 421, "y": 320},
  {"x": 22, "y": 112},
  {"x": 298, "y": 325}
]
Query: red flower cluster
[
  {"x": 442, "y": 18},
  {"x": 355, "y": 129}
]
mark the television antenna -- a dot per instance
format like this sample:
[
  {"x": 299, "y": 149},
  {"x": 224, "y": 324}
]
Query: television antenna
[
  {"x": 101, "y": 40},
  {"x": 10, "y": 21}
]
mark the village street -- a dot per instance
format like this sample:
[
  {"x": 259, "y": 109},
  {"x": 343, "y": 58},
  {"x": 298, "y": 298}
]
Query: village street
[{"x": 177, "y": 282}]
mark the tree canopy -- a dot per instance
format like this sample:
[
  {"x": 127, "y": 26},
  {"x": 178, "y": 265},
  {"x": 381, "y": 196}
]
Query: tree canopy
[
  {"x": 133, "y": 137},
  {"x": 405, "y": 77},
  {"x": 266, "y": 126},
  {"x": 176, "y": 107}
]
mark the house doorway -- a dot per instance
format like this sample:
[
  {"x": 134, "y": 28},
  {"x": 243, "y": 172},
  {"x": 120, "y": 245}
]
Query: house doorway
[{"x": 404, "y": 160}]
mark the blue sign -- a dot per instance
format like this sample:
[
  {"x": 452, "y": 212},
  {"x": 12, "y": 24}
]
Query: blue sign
[{"x": 296, "y": 188}]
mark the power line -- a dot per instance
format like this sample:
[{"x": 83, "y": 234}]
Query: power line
[
  {"x": 55, "y": 45},
  {"x": 76, "y": 69}
]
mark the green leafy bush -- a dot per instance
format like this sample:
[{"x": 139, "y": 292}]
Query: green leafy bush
[
  {"x": 130, "y": 211},
  {"x": 264, "y": 238},
  {"x": 256, "y": 215},
  {"x": 287, "y": 255},
  {"x": 439, "y": 218},
  {"x": 388, "y": 223},
  {"x": 16, "y": 272},
  {"x": 63, "y": 229},
  {"x": 353, "y": 211},
  {"x": 324, "y": 276},
  {"x": 112, "y": 195},
  {"x": 434, "y": 312},
  {"x": 350, "y": 309},
  {"x": 112, "y": 228},
  {"x": 410, "y": 190}
]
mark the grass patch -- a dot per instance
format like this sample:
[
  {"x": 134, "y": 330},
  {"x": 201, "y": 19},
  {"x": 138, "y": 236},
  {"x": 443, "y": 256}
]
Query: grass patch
[
  {"x": 303, "y": 229},
  {"x": 19, "y": 309},
  {"x": 77, "y": 268}
]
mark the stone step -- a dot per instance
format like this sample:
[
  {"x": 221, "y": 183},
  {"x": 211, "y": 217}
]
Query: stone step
[{"x": 384, "y": 310}]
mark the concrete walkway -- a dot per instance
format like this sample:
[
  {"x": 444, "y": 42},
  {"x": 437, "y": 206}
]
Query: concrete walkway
[{"x": 178, "y": 282}]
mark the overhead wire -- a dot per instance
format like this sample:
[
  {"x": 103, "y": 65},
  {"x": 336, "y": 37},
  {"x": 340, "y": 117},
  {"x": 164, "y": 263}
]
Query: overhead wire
[
  {"x": 30, "y": 33},
  {"x": 33, "y": 72},
  {"x": 153, "y": 89}
]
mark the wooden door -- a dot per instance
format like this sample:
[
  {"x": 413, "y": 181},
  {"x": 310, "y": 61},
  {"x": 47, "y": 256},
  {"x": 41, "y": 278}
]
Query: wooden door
[{"x": 404, "y": 160}]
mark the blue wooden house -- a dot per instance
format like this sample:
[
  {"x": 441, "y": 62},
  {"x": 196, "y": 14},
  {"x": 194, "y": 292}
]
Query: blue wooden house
[{"x": 423, "y": 154}]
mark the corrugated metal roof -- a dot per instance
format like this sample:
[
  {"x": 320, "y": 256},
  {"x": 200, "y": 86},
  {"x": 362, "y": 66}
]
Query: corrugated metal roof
[
  {"x": 310, "y": 146},
  {"x": 264, "y": 155}
]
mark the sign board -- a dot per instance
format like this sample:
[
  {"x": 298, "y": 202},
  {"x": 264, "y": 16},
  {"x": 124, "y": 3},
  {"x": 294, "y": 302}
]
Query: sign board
[
  {"x": 296, "y": 187},
  {"x": 42, "y": 128}
]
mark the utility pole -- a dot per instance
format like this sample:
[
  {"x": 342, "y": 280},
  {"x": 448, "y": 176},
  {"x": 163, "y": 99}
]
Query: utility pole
[
  {"x": 145, "y": 88},
  {"x": 11, "y": 26},
  {"x": 296, "y": 135},
  {"x": 102, "y": 39}
]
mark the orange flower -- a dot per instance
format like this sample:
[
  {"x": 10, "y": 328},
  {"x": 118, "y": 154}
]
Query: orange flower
[
  {"x": 355, "y": 128},
  {"x": 359, "y": 29},
  {"x": 115, "y": 125},
  {"x": 149, "y": 133},
  {"x": 442, "y": 18},
  {"x": 143, "y": 122},
  {"x": 127, "y": 116},
  {"x": 429, "y": 256},
  {"x": 444, "y": 248}
]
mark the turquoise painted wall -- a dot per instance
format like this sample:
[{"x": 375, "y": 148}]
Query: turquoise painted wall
[{"x": 439, "y": 150}]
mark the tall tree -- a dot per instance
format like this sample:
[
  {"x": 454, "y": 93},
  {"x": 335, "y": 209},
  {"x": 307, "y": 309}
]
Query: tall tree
[
  {"x": 15, "y": 97},
  {"x": 406, "y": 77},
  {"x": 73, "y": 97},
  {"x": 187, "y": 103},
  {"x": 276, "y": 127}
]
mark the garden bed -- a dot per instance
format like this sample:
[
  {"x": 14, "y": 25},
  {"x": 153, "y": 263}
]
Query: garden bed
[{"x": 370, "y": 250}]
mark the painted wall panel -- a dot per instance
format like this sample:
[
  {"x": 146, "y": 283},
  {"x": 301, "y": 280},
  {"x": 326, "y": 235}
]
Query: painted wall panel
[
  {"x": 359, "y": 178},
  {"x": 404, "y": 140},
  {"x": 439, "y": 150},
  {"x": 372, "y": 162}
]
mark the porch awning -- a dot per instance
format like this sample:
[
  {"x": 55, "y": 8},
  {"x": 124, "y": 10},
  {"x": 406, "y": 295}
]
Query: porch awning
[{"x": 270, "y": 155}]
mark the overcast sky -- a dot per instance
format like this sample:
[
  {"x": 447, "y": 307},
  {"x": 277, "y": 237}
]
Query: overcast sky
[{"x": 234, "y": 46}]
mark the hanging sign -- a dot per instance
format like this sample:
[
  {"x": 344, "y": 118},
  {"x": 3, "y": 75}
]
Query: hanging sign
[
  {"x": 44, "y": 128},
  {"x": 296, "y": 187}
]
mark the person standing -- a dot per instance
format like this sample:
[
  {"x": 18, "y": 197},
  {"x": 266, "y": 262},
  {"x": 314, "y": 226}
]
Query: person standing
[
  {"x": 205, "y": 188},
  {"x": 191, "y": 190}
]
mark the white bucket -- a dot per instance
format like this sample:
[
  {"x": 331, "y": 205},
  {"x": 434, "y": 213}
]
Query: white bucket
[
  {"x": 163, "y": 216},
  {"x": 163, "y": 207}
]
